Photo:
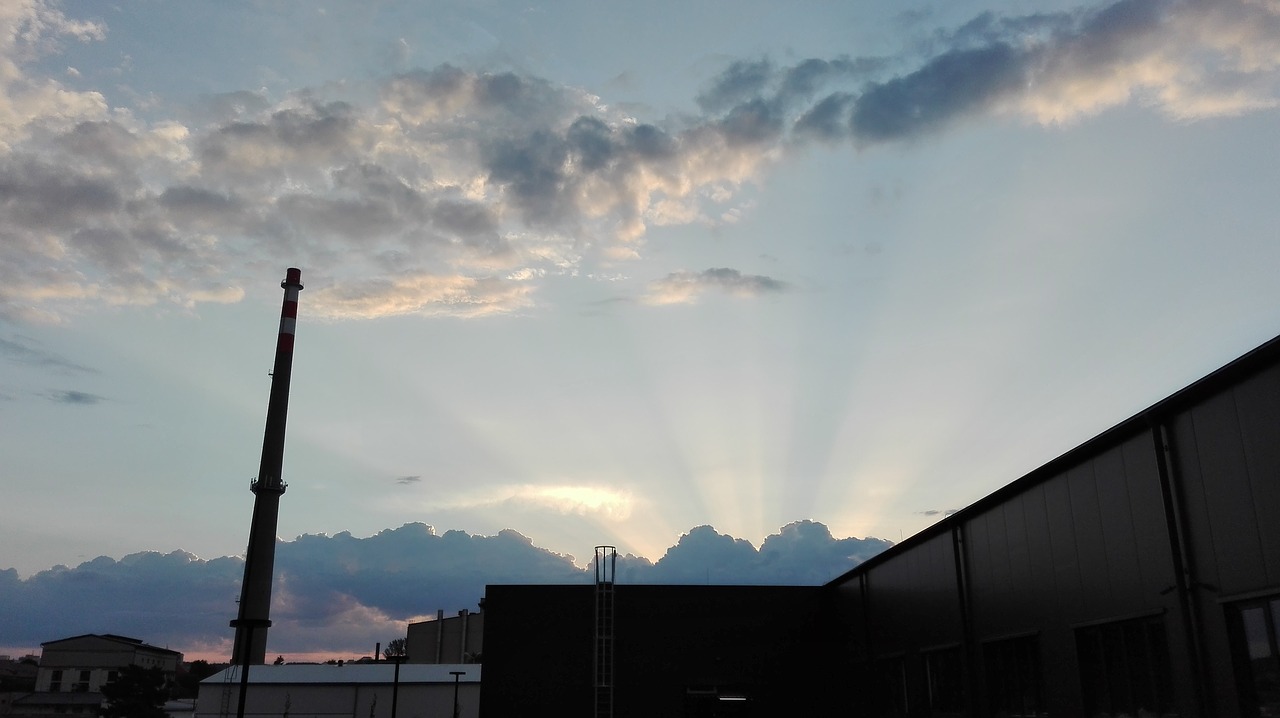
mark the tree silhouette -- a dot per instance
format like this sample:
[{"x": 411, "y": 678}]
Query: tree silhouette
[
  {"x": 396, "y": 648},
  {"x": 136, "y": 692}
]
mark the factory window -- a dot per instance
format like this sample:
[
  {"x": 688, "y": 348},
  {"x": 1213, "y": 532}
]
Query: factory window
[
  {"x": 1124, "y": 668},
  {"x": 55, "y": 681},
  {"x": 944, "y": 680},
  {"x": 82, "y": 685},
  {"x": 1256, "y": 652},
  {"x": 1015, "y": 686},
  {"x": 891, "y": 687}
]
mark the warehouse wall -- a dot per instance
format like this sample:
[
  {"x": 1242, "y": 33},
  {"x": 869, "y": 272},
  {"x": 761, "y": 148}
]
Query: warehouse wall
[{"x": 1135, "y": 554}]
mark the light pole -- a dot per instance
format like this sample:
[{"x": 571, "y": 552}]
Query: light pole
[
  {"x": 395, "y": 684},
  {"x": 457, "y": 676}
]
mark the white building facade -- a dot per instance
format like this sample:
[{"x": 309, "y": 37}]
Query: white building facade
[{"x": 365, "y": 690}]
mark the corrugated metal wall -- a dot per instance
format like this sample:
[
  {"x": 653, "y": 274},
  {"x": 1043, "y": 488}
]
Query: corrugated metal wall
[
  {"x": 1094, "y": 539},
  {"x": 1226, "y": 453}
]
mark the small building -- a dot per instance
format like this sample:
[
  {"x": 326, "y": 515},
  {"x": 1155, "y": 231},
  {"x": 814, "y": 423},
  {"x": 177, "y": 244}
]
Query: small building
[
  {"x": 17, "y": 679},
  {"x": 356, "y": 689},
  {"x": 72, "y": 672},
  {"x": 83, "y": 664},
  {"x": 455, "y": 639}
]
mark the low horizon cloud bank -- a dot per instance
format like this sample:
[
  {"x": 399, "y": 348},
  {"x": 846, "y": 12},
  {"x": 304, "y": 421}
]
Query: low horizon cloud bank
[{"x": 341, "y": 594}]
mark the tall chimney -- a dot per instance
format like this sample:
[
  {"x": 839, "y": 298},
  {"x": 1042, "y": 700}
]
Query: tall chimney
[{"x": 253, "y": 618}]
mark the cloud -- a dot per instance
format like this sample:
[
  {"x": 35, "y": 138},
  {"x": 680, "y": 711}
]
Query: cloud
[
  {"x": 938, "y": 512},
  {"x": 454, "y": 192},
  {"x": 801, "y": 553},
  {"x": 23, "y": 353},
  {"x": 687, "y": 287},
  {"x": 79, "y": 398},
  {"x": 408, "y": 480},
  {"x": 1187, "y": 60},
  {"x": 612, "y": 504},
  {"x": 341, "y": 593},
  {"x": 422, "y": 294},
  {"x": 29, "y": 31}
]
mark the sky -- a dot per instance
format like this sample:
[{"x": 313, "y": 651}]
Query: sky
[{"x": 603, "y": 274}]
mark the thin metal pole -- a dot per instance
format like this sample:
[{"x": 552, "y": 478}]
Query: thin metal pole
[
  {"x": 395, "y": 687},
  {"x": 457, "y": 676}
]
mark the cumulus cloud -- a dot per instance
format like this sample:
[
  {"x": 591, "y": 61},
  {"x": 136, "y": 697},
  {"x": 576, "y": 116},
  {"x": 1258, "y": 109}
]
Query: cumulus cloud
[
  {"x": 28, "y": 31},
  {"x": 341, "y": 593},
  {"x": 457, "y": 192},
  {"x": 687, "y": 287},
  {"x": 801, "y": 553}
]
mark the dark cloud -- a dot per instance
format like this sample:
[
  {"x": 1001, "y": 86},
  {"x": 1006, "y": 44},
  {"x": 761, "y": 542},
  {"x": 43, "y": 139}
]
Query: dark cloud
[
  {"x": 650, "y": 142},
  {"x": 183, "y": 200},
  {"x": 591, "y": 142},
  {"x": 938, "y": 512},
  {"x": 801, "y": 553},
  {"x": 408, "y": 479},
  {"x": 460, "y": 179},
  {"x": 340, "y": 593},
  {"x": 471, "y": 223},
  {"x": 1050, "y": 66},
  {"x": 304, "y": 139},
  {"x": 743, "y": 81},
  {"x": 734, "y": 280},
  {"x": 754, "y": 122},
  {"x": 23, "y": 353},
  {"x": 534, "y": 170},
  {"x": 79, "y": 398},
  {"x": 806, "y": 79},
  {"x": 38, "y": 193},
  {"x": 432, "y": 99},
  {"x": 828, "y": 119},
  {"x": 954, "y": 85},
  {"x": 168, "y": 598},
  {"x": 747, "y": 82},
  {"x": 105, "y": 142}
]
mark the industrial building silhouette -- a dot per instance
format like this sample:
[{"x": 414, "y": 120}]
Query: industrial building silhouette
[{"x": 1136, "y": 575}]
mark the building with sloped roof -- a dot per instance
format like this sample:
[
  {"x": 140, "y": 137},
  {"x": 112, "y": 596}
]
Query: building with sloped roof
[
  {"x": 85, "y": 663},
  {"x": 73, "y": 670},
  {"x": 354, "y": 689}
]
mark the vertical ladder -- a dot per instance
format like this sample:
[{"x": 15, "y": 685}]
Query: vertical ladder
[
  {"x": 606, "y": 560},
  {"x": 229, "y": 681}
]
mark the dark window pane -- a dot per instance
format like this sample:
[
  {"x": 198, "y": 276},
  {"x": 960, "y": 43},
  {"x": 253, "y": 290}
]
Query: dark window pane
[
  {"x": 1257, "y": 662},
  {"x": 944, "y": 678},
  {"x": 1124, "y": 668},
  {"x": 1013, "y": 680}
]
